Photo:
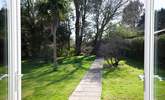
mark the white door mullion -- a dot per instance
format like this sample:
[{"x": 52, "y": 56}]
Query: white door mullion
[
  {"x": 149, "y": 50},
  {"x": 14, "y": 50}
]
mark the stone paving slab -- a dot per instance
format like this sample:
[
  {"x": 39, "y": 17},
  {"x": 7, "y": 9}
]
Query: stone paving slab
[{"x": 90, "y": 86}]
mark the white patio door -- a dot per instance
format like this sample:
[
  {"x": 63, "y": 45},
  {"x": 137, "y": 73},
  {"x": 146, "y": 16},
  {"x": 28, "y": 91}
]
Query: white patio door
[
  {"x": 14, "y": 49},
  {"x": 154, "y": 50},
  {"x": 13, "y": 37},
  {"x": 10, "y": 50}
]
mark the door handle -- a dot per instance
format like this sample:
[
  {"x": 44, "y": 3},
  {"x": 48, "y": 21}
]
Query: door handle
[{"x": 3, "y": 76}]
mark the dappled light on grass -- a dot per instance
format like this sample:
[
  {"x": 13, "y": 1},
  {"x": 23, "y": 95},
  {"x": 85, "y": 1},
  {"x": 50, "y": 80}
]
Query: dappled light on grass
[
  {"x": 3, "y": 85},
  {"x": 122, "y": 83},
  {"x": 42, "y": 83}
]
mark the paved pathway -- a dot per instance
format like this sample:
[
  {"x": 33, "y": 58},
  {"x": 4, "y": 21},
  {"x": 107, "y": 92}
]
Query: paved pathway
[{"x": 90, "y": 86}]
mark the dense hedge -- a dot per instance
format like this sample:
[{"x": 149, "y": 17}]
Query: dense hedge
[
  {"x": 160, "y": 50},
  {"x": 135, "y": 48}
]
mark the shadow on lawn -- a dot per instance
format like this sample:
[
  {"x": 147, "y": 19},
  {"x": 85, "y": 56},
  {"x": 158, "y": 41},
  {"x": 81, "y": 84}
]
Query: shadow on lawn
[
  {"x": 67, "y": 76},
  {"x": 135, "y": 63},
  {"x": 31, "y": 64},
  {"x": 77, "y": 59},
  {"x": 44, "y": 71}
]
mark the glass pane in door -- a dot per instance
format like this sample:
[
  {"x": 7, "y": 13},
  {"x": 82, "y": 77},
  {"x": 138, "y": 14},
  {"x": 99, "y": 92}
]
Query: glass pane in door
[
  {"x": 3, "y": 50},
  {"x": 159, "y": 70}
]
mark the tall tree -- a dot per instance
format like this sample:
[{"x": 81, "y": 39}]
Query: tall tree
[
  {"x": 63, "y": 39},
  {"x": 160, "y": 19},
  {"x": 81, "y": 8},
  {"x": 55, "y": 10},
  {"x": 77, "y": 27},
  {"x": 132, "y": 13},
  {"x": 104, "y": 11},
  {"x": 30, "y": 29}
]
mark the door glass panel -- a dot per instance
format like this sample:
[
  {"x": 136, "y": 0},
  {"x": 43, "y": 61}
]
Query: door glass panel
[
  {"x": 159, "y": 70},
  {"x": 3, "y": 51}
]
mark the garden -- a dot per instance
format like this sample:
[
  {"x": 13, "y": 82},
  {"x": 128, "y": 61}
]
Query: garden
[{"x": 61, "y": 39}]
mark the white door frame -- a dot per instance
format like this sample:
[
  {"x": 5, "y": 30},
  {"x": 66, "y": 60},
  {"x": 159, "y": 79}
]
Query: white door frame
[
  {"x": 149, "y": 51},
  {"x": 14, "y": 50}
]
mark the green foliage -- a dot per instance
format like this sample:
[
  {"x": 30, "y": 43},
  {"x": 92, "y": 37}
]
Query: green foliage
[
  {"x": 52, "y": 8},
  {"x": 132, "y": 12},
  {"x": 122, "y": 31},
  {"x": 160, "y": 19},
  {"x": 132, "y": 39},
  {"x": 160, "y": 47},
  {"x": 113, "y": 49},
  {"x": 3, "y": 32},
  {"x": 72, "y": 51},
  {"x": 136, "y": 48},
  {"x": 37, "y": 19},
  {"x": 63, "y": 40},
  {"x": 3, "y": 22}
]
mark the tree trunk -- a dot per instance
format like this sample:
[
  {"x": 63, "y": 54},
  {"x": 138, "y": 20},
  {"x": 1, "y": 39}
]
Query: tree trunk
[
  {"x": 97, "y": 35},
  {"x": 77, "y": 26},
  {"x": 78, "y": 42},
  {"x": 84, "y": 12},
  {"x": 97, "y": 42},
  {"x": 54, "y": 30}
]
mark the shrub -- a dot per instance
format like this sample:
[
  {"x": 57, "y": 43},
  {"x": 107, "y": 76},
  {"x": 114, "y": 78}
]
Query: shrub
[{"x": 113, "y": 50}]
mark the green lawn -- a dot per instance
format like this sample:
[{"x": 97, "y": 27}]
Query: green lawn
[
  {"x": 122, "y": 83},
  {"x": 160, "y": 90},
  {"x": 160, "y": 86},
  {"x": 3, "y": 69},
  {"x": 40, "y": 82},
  {"x": 3, "y": 84},
  {"x": 3, "y": 89}
]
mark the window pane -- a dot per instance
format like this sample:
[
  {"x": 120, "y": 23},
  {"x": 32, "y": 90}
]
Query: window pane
[
  {"x": 159, "y": 72},
  {"x": 3, "y": 50},
  {"x": 159, "y": 14}
]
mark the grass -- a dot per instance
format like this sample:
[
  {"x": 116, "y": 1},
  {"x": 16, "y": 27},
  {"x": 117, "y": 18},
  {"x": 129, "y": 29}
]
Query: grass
[
  {"x": 2, "y": 69},
  {"x": 3, "y": 84},
  {"x": 160, "y": 90},
  {"x": 40, "y": 82},
  {"x": 122, "y": 83},
  {"x": 3, "y": 89},
  {"x": 160, "y": 85}
]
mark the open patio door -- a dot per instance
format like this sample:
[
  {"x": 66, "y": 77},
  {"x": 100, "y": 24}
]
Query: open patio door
[{"x": 154, "y": 50}]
